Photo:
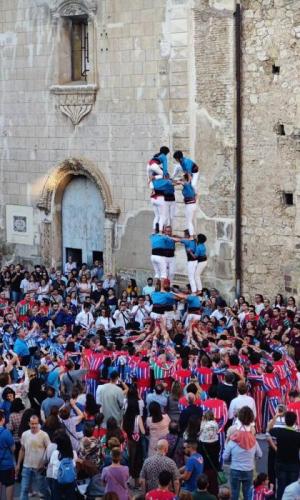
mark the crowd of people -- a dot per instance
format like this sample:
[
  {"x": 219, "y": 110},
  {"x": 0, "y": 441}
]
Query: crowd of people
[{"x": 155, "y": 393}]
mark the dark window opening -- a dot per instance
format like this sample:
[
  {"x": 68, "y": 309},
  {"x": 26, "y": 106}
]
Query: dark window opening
[
  {"x": 280, "y": 129},
  {"x": 79, "y": 48},
  {"x": 76, "y": 255},
  {"x": 98, "y": 256},
  {"x": 275, "y": 69},
  {"x": 288, "y": 199}
]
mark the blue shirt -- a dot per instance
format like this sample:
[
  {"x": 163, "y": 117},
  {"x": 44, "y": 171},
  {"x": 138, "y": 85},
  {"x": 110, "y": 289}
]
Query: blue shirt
[
  {"x": 21, "y": 348},
  {"x": 200, "y": 250},
  {"x": 162, "y": 185},
  {"x": 189, "y": 245},
  {"x": 188, "y": 191},
  {"x": 48, "y": 403},
  {"x": 194, "y": 465},
  {"x": 193, "y": 302},
  {"x": 164, "y": 160},
  {"x": 6, "y": 455},
  {"x": 187, "y": 165},
  {"x": 160, "y": 241},
  {"x": 163, "y": 298}
]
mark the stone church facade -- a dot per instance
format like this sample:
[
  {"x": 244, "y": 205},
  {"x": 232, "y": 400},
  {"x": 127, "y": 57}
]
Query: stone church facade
[{"x": 90, "y": 89}]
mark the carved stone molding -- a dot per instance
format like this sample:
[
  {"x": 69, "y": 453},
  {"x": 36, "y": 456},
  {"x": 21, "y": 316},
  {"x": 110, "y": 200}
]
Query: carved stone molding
[
  {"x": 60, "y": 8},
  {"x": 72, "y": 167},
  {"x": 75, "y": 101}
]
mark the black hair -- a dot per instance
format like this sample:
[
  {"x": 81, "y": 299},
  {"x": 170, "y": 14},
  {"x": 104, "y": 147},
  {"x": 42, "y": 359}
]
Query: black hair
[
  {"x": 290, "y": 418},
  {"x": 201, "y": 238},
  {"x": 64, "y": 447},
  {"x": 164, "y": 150},
  {"x": 164, "y": 478},
  {"x": 202, "y": 482},
  {"x": 260, "y": 479},
  {"x": 155, "y": 412},
  {"x": 178, "y": 155}
]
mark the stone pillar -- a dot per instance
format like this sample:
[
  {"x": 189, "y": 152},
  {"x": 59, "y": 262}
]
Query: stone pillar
[{"x": 108, "y": 256}]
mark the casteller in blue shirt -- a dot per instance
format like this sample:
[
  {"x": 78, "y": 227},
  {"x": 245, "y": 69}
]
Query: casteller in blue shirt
[{"x": 21, "y": 348}]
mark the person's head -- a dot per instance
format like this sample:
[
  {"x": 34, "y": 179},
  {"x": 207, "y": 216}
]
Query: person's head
[
  {"x": 164, "y": 478},
  {"x": 162, "y": 446},
  {"x": 8, "y": 394},
  {"x": 176, "y": 390},
  {"x": 229, "y": 378},
  {"x": 190, "y": 447},
  {"x": 201, "y": 238},
  {"x": 155, "y": 412},
  {"x": 246, "y": 415},
  {"x": 242, "y": 388},
  {"x": 114, "y": 376},
  {"x": 208, "y": 415},
  {"x": 64, "y": 413},
  {"x": 69, "y": 365},
  {"x": 34, "y": 424},
  {"x": 173, "y": 427},
  {"x": 116, "y": 455},
  {"x": 260, "y": 479},
  {"x": 64, "y": 447},
  {"x": 178, "y": 155},
  {"x": 202, "y": 482},
  {"x": 290, "y": 418},
  {"x": 50, "y": 392},
  {"x": 191, "y": 398},
  {"x": 164, "y": 150},
  {"x": 150, "y": 281},
  {"x": 159, "y": 389},
  {"x": 192, "y": 388},
  {"x": 88, "y": 430}
]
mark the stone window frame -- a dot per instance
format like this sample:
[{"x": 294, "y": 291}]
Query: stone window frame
[{"x": 74, "y": 99}]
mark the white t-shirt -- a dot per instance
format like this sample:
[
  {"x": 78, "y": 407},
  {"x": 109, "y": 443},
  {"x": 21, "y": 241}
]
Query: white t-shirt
[{"x": 238, "y": 403}]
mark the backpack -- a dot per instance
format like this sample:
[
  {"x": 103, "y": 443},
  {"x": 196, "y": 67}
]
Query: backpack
[{"x": 66, "y": 471}]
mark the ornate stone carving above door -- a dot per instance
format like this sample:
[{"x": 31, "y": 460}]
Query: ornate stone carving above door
[{"x": 75, "y": 101}]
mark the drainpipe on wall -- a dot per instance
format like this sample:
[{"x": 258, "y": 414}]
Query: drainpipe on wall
[{"x": 238, "y": 181}]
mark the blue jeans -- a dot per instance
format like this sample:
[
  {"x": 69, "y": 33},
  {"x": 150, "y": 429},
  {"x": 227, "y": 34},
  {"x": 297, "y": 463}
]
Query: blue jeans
[
  {"x": 238, "y": 478},
  {"x": 15, "y": 296},
  {"x": 28, "y": 476},
  {"x": 285, "y": 475}
]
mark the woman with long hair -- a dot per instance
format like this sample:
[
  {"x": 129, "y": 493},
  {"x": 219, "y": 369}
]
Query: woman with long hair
[
  {"x": 192, "y": 431},
  {"x": 134, "y": 428},
  {"x": 158, "y": 426},
  {"x": 64, "y": 450},
  {"x": 173, "y": 400},
  {"x": 52, "y": 423},
  {"x": 91, "y": 408}
]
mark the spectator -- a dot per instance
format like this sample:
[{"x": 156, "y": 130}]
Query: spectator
[
  {"x": 7, "y": 470},
  {"x": 162, "y": 492},
  {"x": 157, "y": 424},
  {"x": 110, "y": 397},
  {"x": 193, "y": 467},
  {"x": 157, "y": 463},
  {"x": 202, "y": 489},
  {"x": 115, "y": 476}
]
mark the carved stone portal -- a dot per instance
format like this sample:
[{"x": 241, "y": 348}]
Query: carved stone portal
[
  {"x": 75, "y": 101},
  {"x": 72, "y": 7}
]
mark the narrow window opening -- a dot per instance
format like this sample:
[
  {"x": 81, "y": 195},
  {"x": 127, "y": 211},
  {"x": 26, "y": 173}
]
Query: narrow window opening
[
  {"x": 280, "y": 129},
  {"x": 275, "y": 69},
  {"x": 288, "y": 199},
  {"x": 79, "y": 48}
]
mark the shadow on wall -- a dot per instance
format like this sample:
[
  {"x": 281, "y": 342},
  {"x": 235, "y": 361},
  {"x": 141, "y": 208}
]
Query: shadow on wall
[{"x": 135, "y": 248}]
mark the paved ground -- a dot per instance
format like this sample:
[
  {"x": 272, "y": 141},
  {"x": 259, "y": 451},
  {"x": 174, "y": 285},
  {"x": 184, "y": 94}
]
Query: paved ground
[{"x": 261, "y": 466}]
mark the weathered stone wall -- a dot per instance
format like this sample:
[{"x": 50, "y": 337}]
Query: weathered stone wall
[
  {"x": 214, "y": 142},
  {"x": 271, "y": 229}
]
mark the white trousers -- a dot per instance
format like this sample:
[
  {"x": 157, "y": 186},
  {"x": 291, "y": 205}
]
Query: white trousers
[
  {"x": 168, "y": 315},
  {"x": 190, "y": 209},
  {"x": 190, "y": 318},
  {"x": 192, "y": 266},
  {"x": 159, "y": 207},
  {"x": 199, "y": 270},
  {"x": 170, "y": 212},
  {"x": 154, "y": 169},
  {"x": 159, "y": 266},
  {"x": 170, "y": 266},
  {"x": 195, "y": 180}
]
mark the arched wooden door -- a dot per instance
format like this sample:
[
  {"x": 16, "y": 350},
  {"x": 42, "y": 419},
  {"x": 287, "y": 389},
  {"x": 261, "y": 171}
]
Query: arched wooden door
[{"x": 82, "y": 221}]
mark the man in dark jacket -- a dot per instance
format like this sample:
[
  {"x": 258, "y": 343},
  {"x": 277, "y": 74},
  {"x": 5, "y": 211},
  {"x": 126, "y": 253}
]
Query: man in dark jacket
[{"x": 190, "y": 410}]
